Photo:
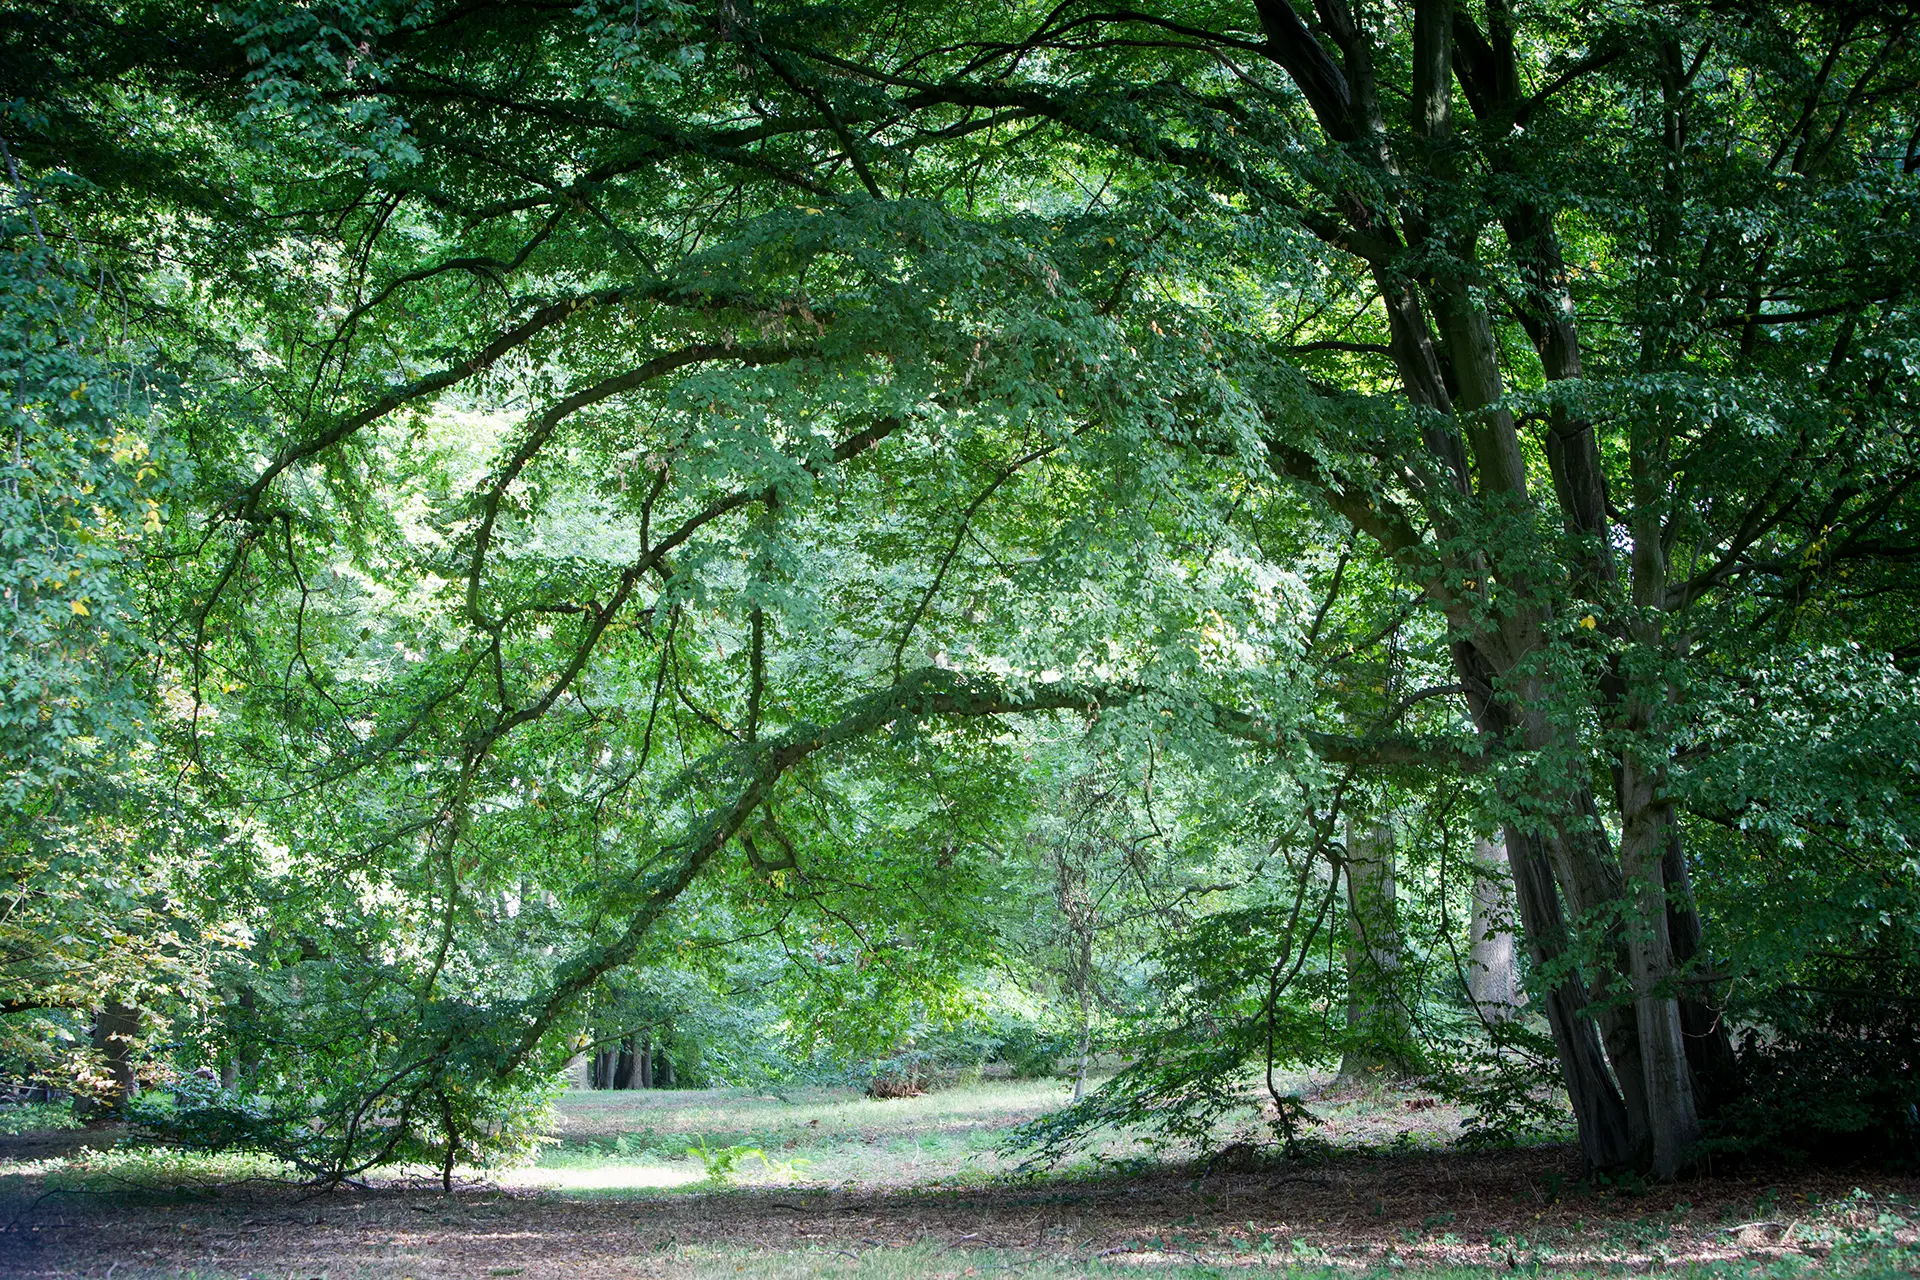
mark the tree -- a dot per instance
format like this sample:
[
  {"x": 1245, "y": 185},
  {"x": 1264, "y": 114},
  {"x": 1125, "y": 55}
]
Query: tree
[
  {"x": 1493, "y": 975},
  {"x": 646, "y": 410},
  {"x": 1376, "y": 1012}
]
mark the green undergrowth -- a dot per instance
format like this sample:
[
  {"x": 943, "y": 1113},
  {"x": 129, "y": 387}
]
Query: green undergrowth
[
  {"x": 36, "y": 1117},
  {"x": 145, "y": 1169}
]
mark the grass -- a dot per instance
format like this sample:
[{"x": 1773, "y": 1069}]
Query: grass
[
  {"x": 638, "y": 1140},
  {"x": 152, "y": 1169},
  {"x": 849, "y": 1187},
  {"x": 641, "y": 1139}
]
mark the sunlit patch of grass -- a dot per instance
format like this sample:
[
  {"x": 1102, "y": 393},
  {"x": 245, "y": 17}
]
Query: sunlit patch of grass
[
  {"x": 810, "y": 1136},
  {"x": 951, "y": 1137},
  {"x": 151, "y": 1169},
  {"x": 869, "y": 1263},
  {"x": 758, "y": 1117},
  {"x": 604, "y": 1177}
]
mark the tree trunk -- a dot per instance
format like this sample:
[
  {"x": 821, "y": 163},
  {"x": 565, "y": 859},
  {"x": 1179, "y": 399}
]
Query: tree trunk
[
  {"x": 115, "y": 1029},
  {"x": 1674, "y": 1123},
  {"x": 1493, "y": 972},
  {"x": 239, "y": 1059},
  {"x": 646, "y": 1059},
  {"x": 1084, "y": 981},
  {"x": 1591, "y": 880},
  {"x": 1600, "y": 1113},
  {"x": 1375, "y": 1015},
  {"x": 623, "y": 1068},
  {"x": 1606, "y": 1134},
  {"x": 1462, "y": 380}
]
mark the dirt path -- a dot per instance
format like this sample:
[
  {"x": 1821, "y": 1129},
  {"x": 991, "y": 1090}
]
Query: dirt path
[{"x": 1507, "y": 1209}]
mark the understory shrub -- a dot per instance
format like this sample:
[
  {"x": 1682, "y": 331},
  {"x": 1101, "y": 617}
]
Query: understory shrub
[{"x": 1828, "y": 1075}]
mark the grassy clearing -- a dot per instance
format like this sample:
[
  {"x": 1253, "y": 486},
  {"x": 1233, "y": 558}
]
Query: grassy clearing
[
  {"x": 608, "y": 1142},
  {"x": 849, "y": 1187},
  {"x": 641, "y": 1140}
]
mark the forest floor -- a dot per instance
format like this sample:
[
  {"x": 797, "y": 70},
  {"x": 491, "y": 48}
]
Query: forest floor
[{"x": 864, "y": 1190}]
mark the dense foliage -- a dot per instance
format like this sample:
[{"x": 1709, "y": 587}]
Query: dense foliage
[{"x": 799, "y": 534}]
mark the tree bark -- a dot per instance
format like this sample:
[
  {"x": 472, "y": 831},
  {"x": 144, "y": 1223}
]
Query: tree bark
[
  {"x": 1084, "y": 981},
  {"x": 1600, "y": 1116},
  {"x": 115, "y": 1029},
  {"x": 1600, "y": 1113},
  {"x": 1594, "y": 889},
  {"x": 1674, "y": 1124},
  {"x": 1493, "y": 971},
  {"x": 1376, "y": 1016},
  {"x": 623, "y": 1068}
]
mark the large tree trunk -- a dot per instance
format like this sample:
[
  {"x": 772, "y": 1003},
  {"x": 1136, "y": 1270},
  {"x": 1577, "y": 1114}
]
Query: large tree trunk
[
  {"x": 1642, "y": 1036},
  {"x": 1606, "y": 1134},
  {"x": 1376, "y": 1014},
  {"x": 623, "y": 1068},
  {"x": 1493, "y": 971},
  {"x": 1641, "y": 769},
  {"x": 115, "y": 1029},
  {"x": 1594, "y": 889},
  {"x": 1673, "y": 1121}
]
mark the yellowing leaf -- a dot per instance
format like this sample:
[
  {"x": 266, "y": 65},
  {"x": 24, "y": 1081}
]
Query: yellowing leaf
[
  {"x": 81, "y": 609},
  {"x": 1589, "y": 622}
]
